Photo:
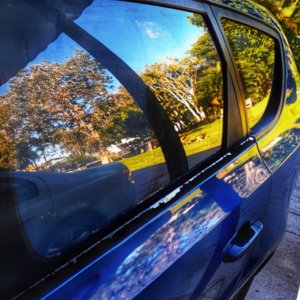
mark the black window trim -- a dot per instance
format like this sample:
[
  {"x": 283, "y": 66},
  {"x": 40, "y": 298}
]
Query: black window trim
[{"x": 234, "y": 119}]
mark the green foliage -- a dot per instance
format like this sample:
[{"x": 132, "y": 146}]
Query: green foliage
[
  {"x": 187, "y": 87},
  {"x": 197, "y": 20},
  {"x": 287, "y": 12}
]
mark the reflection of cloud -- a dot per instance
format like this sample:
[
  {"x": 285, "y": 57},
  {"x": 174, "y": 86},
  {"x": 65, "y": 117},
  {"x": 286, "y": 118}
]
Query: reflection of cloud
[
  {"x": 151, "y": 34},
  {"x": 153, "y": 30}
]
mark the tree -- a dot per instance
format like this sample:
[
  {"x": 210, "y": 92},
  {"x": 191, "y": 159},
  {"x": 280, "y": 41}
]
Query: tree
[
  {"x": 173, "y": 83},
  {"x": 119, "y": 117},
  {"x": 7, "y": 149},
  {"x": 208, "y": 79}
]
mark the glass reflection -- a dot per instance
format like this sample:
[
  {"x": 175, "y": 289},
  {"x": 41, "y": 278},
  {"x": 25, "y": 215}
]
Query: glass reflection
[
  {"x": 72, "y": 132},
  {"x": 175, "y": 56},
  {"x": 254, "y": 54},
  {"x": 80, "y": 149}
]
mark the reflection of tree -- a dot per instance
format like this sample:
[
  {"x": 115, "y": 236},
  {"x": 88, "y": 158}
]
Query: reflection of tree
[
  {"x": 281, "y": 147},
  {"x": 173, "y": 84},
  {"x": 254, "y": 55},
  {"x": 119, "y": 117},
  {"x": 190, "y": 89},
  {"x": 246, "y": 178},
  {"x": 287, "y": 12},
  {"x": 6, "y": 138},
  {"x": 61, "y": 105},
  {"x": 165, "y": 246},
  {"x": 71, "y": 109}
]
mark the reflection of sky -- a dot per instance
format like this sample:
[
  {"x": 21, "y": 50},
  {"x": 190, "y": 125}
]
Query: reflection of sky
[
  {"x": 3, "y": 88},
  {"x": 140, "y": 34},
  {"x": 60, "y": 51}
]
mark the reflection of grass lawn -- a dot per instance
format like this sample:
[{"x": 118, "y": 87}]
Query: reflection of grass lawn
[
  {"x": 213, "y": 131},
  {"x": 198, "y": 140},
  {"x": 144, "y": 160},
  {"x": 255, "y": 112}
]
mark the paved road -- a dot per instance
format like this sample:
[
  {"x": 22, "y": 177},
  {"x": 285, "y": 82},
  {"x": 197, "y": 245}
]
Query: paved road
[{"x": 280, "y": 279}]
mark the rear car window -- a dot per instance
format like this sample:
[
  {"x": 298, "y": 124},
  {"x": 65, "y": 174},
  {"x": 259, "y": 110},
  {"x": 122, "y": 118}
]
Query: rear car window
[
  {"x": 254, "y": 54},
  {"x": 76, "y": 148}
]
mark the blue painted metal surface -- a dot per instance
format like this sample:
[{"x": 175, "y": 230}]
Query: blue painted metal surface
[
  {"x": 180, "y": 252},
  {"x": 187, "y": 239},
  {"x": 193, "y": 230}
]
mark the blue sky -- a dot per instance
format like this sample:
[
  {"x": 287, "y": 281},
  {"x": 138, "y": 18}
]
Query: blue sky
[{"x": 139, "y": 34}]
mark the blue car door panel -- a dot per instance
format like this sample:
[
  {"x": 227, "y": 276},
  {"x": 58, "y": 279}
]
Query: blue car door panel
[{"x": 181, "y": 252}]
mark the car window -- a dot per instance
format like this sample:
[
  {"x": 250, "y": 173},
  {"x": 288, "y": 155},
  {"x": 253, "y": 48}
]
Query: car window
[
  {"x": 77, "y": 149},
  {"x": 254, "y": 54},
  {"x": 79, "y": 145},
  {"x": 174, "y": 54}
]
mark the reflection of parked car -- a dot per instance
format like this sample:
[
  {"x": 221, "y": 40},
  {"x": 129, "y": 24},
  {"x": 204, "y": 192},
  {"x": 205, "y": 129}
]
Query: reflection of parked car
[{"x": 67, "y": 207}]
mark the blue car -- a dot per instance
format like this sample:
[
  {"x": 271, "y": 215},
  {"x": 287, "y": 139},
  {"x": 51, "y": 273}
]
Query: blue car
[{"x": 148, "y": 149}]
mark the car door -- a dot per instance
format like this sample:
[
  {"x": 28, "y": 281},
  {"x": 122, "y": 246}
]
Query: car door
[
  {"x": 200, "y": 189},
  {"x": 271, "y": 122},
  {"x": 194, "y": 240}
]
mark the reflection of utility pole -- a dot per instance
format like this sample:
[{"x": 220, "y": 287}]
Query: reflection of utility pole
[
  {"x": 105, "y": 157},
  {"x": 149, "y": 146}
]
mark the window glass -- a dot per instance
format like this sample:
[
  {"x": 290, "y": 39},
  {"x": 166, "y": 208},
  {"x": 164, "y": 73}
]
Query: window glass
[
  {"x": 254, "y": 54},
  {"x": 81, "y": 149},
  {"x": 75, "y": 147},
  {"x": 174, "y": 54}
]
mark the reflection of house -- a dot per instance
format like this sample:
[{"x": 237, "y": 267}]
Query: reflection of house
[
  {"x": 132, "y": 146},
  {"x": 113, "y": 149},
  {"x": 248, "y": 103},
  {"x": 55, "y": 164}
]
